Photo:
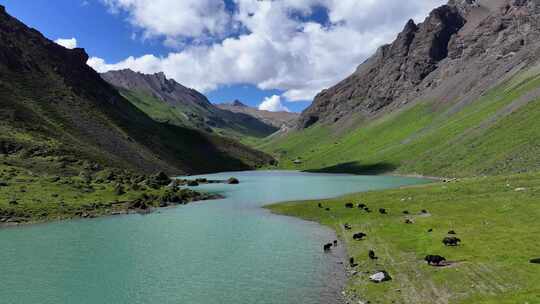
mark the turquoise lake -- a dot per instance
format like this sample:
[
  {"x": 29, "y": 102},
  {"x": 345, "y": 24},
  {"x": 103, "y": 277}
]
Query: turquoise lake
[{"x": 221, "y": 251}]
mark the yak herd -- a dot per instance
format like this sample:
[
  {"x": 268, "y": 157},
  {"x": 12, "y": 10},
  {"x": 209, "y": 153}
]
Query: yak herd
[{"x": 433, "y": 260}]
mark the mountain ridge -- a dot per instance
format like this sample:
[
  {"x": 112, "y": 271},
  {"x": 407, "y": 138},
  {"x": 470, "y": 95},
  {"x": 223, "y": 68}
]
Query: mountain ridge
[
  {"x": 278, "y": 119},
  {"x": 169, "y": 101},
  {"x": 433, "y": 104},
  {"x": 57, "y": 104},
  {"x": 425, "y": 58}
]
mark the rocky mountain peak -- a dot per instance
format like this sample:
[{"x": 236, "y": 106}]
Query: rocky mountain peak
[
  {"x": 238, "y": 103},
  {"x": 157, "y": 85},
  {"x": 459, "y": 49},
  {"x": 395, "y": 69}
]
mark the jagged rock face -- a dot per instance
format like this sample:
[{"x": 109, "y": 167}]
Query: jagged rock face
[
  {"x": 276, "y": 119},
  {"x": 157, "y": 85},
  {"x": 199, "y": 112},
  {"x": 452, "y": 39}
]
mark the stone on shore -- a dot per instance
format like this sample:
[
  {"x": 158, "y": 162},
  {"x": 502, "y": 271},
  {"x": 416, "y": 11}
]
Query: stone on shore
[{"x": 233, "y": 181}]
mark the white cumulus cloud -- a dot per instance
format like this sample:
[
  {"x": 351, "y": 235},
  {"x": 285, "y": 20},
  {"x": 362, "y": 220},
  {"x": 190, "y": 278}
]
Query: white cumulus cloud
[
  {"x": 273, "y": 104},
  {"x": 70, "y": 43},
  {"x": 270, "y": 44},
  {"x": 174, "y": 18}
]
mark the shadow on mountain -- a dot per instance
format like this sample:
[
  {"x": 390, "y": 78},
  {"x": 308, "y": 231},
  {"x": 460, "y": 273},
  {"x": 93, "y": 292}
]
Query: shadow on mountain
[{"x": 357, "y": 168}]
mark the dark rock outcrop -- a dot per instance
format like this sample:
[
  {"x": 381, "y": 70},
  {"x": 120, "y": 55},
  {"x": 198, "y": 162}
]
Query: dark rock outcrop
[{"x": 459, "y": 51}]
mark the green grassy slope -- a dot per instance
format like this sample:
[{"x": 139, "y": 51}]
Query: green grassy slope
[
  {"x": 499, "y": 133},
  {"x": 228, "y": 124},
  {"x": 495, "y": 219},
  {"x": 51, "y": 101}
]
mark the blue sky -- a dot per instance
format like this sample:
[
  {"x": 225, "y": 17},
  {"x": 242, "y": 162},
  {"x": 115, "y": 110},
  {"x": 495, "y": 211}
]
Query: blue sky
[
  {"x": 228, "y": 49},
  {"x": 108, "y": 36}
]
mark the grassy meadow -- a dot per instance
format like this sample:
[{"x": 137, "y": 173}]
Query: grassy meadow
[
  {"x": 47, "y": 188},
  {"x": 497, "y": 134},
  {"x": 495, "y": 217}
]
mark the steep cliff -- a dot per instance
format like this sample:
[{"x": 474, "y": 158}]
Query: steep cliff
[
  {"x": 455, "y": 95},
  {"x": 461, "y": 47}
]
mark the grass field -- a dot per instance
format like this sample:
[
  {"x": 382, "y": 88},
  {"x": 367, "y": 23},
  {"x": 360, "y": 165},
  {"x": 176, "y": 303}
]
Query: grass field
[
  {"x": 495, "y": 217},
  {"x": 50, "y": 188},
  {"x": 496, "y": 134}
]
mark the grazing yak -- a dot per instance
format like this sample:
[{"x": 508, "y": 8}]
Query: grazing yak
[
  {"x": 452, "y": 232},
  {"x": 327, "y": 247},
  {"x": 535, "y": 261},
  {"x": 349, "y": 205},
  {"x": 327, "y": 209},
  {"x": 451, "y": 241},
  {"x": 362, "y": 206},
  {"x": 352, "y": 262},
  {"x": 382, "y": 211},
  {"x": 320, "y": 205},
  {"x": 367, "y": 210},
  {"x": 335, "y": 243},
  {"x": 359, "y": 236},
  {"x": 424, "y": 211},
  {"x": 405, "y": 212},
  {"x": 430, "y": 230},
  {"x": 372, "y": 255},
  {"x": 347, "y": 226},
  {"x": 434, "y": 260},
  {"x": 409, "y": 221}
]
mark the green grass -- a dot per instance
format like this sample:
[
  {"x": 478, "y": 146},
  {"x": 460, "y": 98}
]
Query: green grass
[
  {"x": 241, "y": 127},
  {"x": 498, "y": 225},
  {"x": 157, "y": 109},
  {"x": 38, "y": 189},
  {"x": 429, "y": 138}
]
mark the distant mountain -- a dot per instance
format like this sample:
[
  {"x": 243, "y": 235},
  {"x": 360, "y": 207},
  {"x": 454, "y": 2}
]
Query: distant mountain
[
  {"x": 457, "y": 94},
  {"x": 276, "y": 119},
  {"x": 52, "y": 104},
  {"x": 235, "y": 103},
  {"x": 168, "y": 101}
]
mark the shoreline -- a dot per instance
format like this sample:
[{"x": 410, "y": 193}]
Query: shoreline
[
  {"x": 401, "y": 246},
  {"x": 107, "y": 213},
  {"x": 338, "y": 255},
  {"x": 343, "y": 254}
]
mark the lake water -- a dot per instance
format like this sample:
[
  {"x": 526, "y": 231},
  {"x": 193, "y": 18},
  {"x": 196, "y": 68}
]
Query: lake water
[{"x": 222, "y": 251}]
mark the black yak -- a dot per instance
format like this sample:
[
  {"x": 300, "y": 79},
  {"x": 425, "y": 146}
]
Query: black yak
[
  {"x": 435, "y": 260},
  {"x": 359, "y": 236},
  {"x": 451, "y": 241}
]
